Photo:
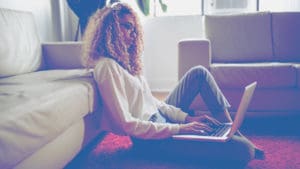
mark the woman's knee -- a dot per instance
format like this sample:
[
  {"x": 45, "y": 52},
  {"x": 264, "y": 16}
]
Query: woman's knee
[{"x": 198, "y": 71}]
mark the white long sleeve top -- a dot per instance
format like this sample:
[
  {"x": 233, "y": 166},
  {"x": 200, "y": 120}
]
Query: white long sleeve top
[{"x": 128, "y": 104}]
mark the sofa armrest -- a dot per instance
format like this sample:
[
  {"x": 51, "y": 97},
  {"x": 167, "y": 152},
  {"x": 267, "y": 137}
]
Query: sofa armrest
[
  {"x": 193, "y": 52},
  {"x": 62, "y": 55}
]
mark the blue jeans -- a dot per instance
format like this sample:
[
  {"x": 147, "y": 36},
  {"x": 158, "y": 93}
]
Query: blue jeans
[{"x": 198, "y": 80}]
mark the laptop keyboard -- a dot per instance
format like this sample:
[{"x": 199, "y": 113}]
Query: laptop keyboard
[{"x": 219, "y": 130}]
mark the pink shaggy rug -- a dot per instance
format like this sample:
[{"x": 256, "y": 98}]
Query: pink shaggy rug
[{"x": 282, "y": 152}]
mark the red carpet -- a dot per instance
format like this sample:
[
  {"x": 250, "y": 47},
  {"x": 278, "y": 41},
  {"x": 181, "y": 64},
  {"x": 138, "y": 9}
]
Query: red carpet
[{"x": 282, "y": 152}]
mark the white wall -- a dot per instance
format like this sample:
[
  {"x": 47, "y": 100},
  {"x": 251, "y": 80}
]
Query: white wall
[{"x": 162, "y": 35}]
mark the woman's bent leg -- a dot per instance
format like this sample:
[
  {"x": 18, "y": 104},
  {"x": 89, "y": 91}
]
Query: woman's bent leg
[{"x": 198, "y": 80}]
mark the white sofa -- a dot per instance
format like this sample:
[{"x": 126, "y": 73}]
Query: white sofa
[
  {"x": 241, "y": 48},
  {"x": 48, "y": 101}
]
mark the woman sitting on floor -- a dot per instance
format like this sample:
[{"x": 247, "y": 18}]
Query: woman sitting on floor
[{"x": 113, "y": 46}]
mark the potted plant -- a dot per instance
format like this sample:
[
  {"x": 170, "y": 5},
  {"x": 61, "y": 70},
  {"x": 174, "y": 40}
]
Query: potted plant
[{"x": 144, "y": 6}]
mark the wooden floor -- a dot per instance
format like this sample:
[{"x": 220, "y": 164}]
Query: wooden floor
[{"x": 160, "y": 95}]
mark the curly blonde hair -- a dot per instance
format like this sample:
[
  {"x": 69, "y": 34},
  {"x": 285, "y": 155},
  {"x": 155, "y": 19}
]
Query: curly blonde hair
[{"x": 103, "y": 38}]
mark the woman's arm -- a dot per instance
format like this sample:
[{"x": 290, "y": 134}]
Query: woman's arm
[
  {"x": 113, "y": 91},
  {"x": 173, "y": 113}
]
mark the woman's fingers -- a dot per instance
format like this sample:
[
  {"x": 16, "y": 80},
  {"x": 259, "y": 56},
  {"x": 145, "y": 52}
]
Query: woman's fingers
[
  {"x": 214, "y": 121},
  {"x": 200, "y": 127},
  {"x": 195, "y": 128},
  {"x": 210, "y": 120}
]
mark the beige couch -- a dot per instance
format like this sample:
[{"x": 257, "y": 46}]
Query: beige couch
[
  {"x": 242, "y": 48},
  {"x": 47, "y": 99}
]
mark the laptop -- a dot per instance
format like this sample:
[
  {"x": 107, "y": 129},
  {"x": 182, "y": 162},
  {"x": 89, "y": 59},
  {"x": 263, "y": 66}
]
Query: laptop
[{"x": 224, "y": 132}]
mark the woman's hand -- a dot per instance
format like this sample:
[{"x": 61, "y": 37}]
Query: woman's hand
[
  {"x": 198, "y": 125},
  {"x": 203, "y": 119},
  {"x": 194, "y": 128}
]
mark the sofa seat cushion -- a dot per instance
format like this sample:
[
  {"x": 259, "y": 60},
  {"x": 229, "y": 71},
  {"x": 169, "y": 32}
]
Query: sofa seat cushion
[
  {"x": 286, "y": 36},
  {"x": 240, "y": 37},
  {"x": 284, "y": 100},
  {"x": 37, "y": 111},
  {"x": 267, "y": 75},
  {"x": 265, "y": 102},
  {"x": 73, "y": 75}
]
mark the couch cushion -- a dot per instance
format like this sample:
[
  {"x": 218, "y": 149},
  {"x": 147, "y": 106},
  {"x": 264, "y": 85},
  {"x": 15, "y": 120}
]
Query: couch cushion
[
  {"x": 62, "y": 55},
  {"x": 267, "y": 75},
  {"x": 286, "y": 36},
  {"x": 240, "y": 37},
  {"x": 37, "y": 111},
  {"x": 265, "y": 101},
  {"x": 73, "y": 75},
  {"x": 20, "y": 49}
]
